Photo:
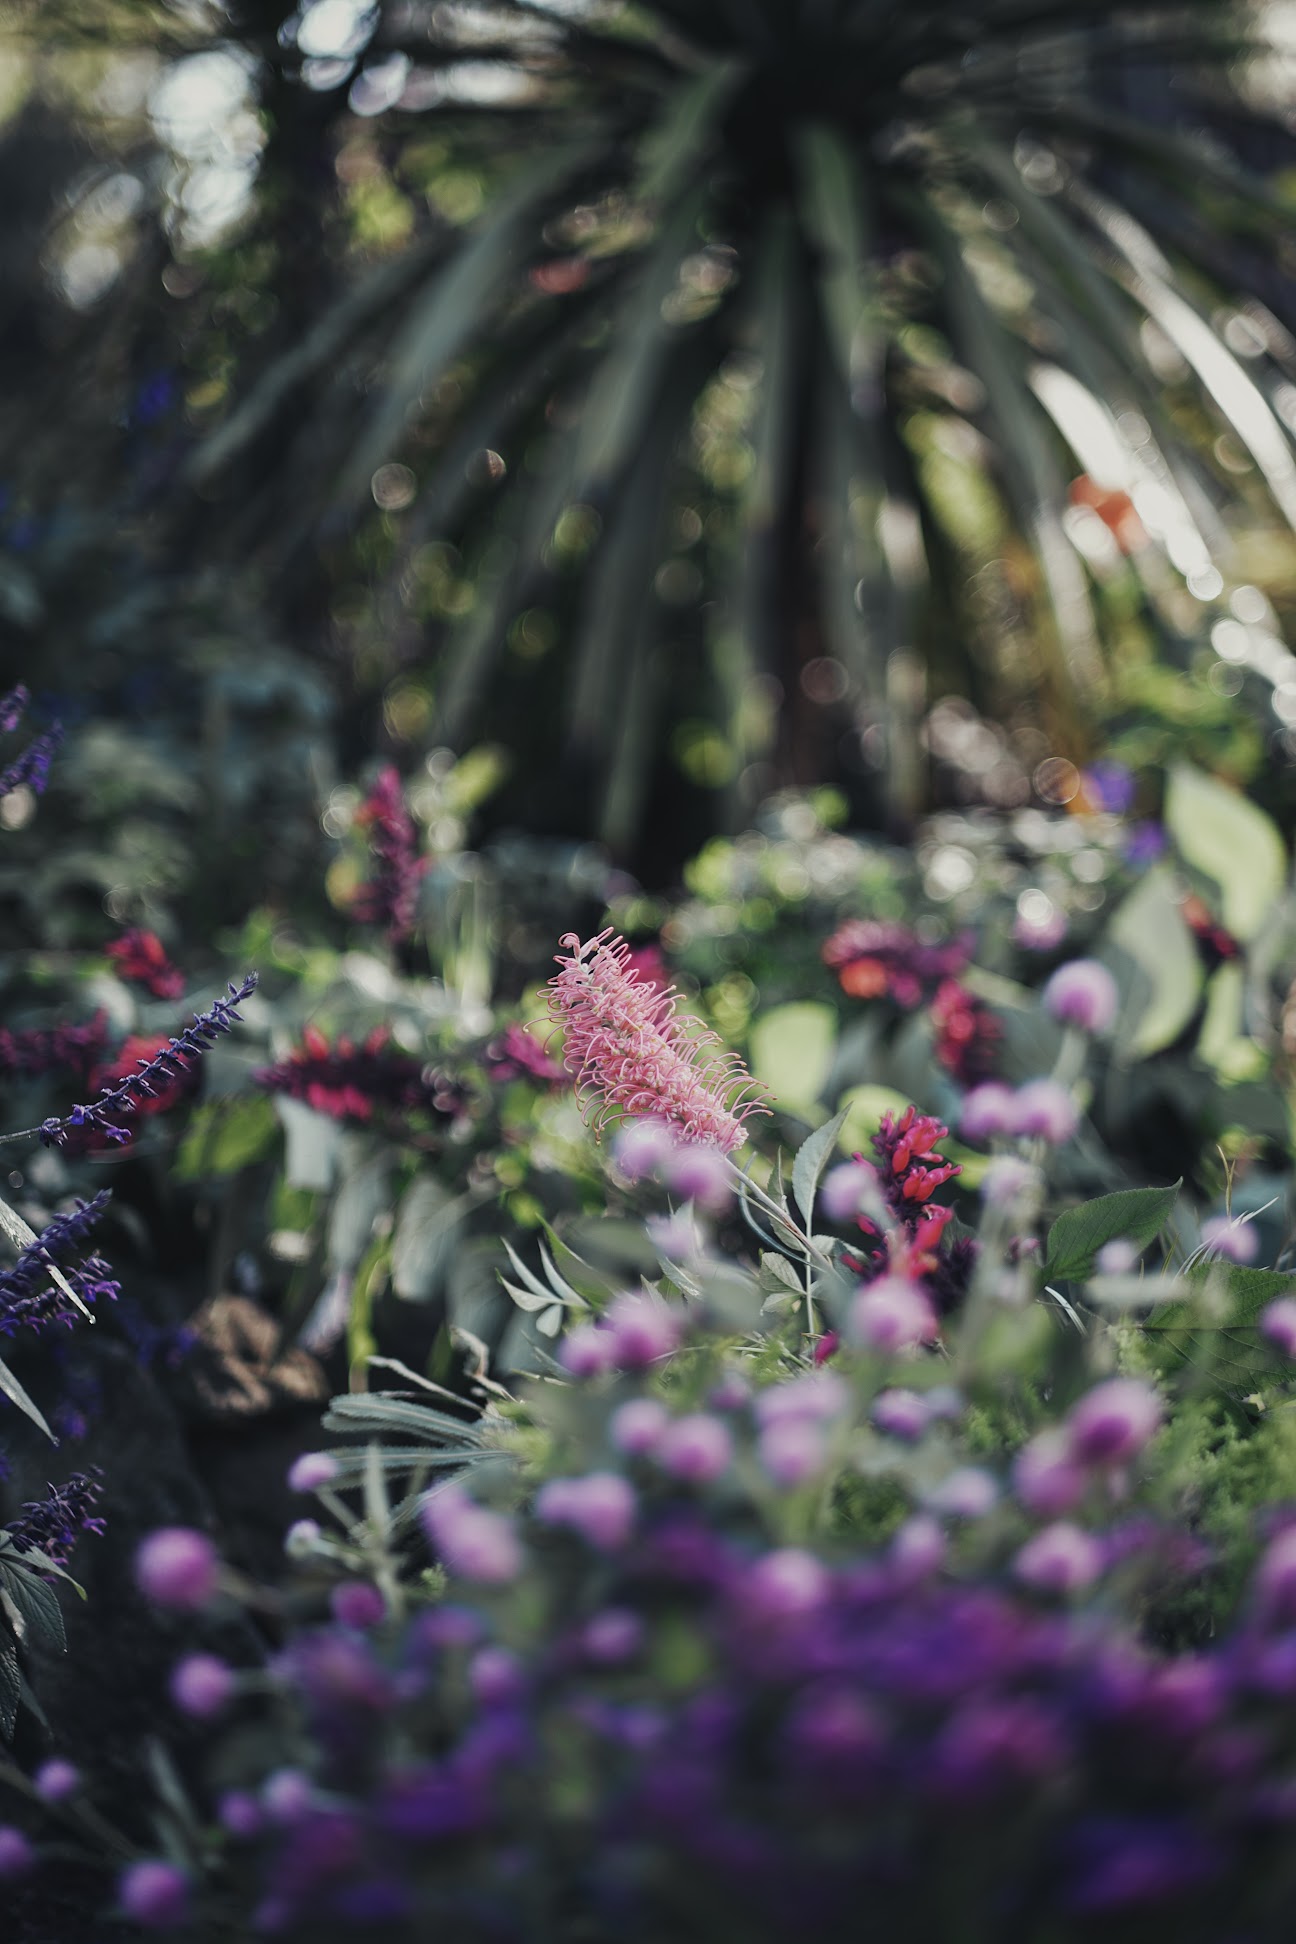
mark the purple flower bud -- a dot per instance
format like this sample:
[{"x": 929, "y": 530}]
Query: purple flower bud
[
  {"x": 846, "y": 1189},
  {"x": 613, "y": 1636},
  {"x": 1061, "y": 1559},
  {"x": 1117, "y": 1258},
  {"x": 311, "y": 1470},
  {"x": 900, "y": 1414},
  {"x": 1083, "y": 993},
  {"x": 1278, "y": 1323},
  {"x": 357, "y": 1604},
  {"x": 57, "y": 1780},
  {"x": 643, "y": 1147},
  {"x": 784, "y": 1585},
  {"x": 17, "y": 1856},
  {"x": 177, "y": 1567},
  {"x": 696, "y": 1448},
  {"x": 154, "y": 1894},
  {"x": 1046, "y": 1477},
  {"x": 676, "y": 1237},
  {"x": 301, "y": 1538},
  {"x": 967, "y": 1493},
  {"x": 495, "y": 1677},
  {"x": 892, "y": 1315},
  {"x": 918, "y": 1548},
  {"x": 636, "y": 1428},
  {"x": 816, "y": 1395},
  {"x": 1114, "y": 1421},
  {"x": 730, "y": 1394},
  {"x": 287, "y": 1796},
  {"x": 1044, "y": 1108},
  {"x": 643, "y": 1327},
  {"x": 987, "y": 1112},
  {"x": 240, "y": 1813},
  {"x": 588, "y": 1351},
  {"x": 792, "y": 1450},
  {"x": 474, "y": 1543},
  {"x": 1236, "y": 1240},
  {"x": 600, "y": 1507},
  {"x": 700, "y": 1174},
  {"x": 202, "y": 1686},
  {"x": 1008, "y": 1182}
]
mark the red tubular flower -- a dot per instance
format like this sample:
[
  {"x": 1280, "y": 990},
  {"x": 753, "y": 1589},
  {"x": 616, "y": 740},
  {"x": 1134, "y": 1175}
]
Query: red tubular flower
[
  {"x": 967, "y": 1033},
  {"x": 630, "y": 1054},
  {"x": 140, "y": 958},
  {"x": 905, "y": 1148}
]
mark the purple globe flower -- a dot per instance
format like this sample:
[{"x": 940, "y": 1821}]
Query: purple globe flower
[
  {"x": 154, "y": 1894},
  {"x": 475, "y": 1543},
  {"x": 918, "y": 1549},
  {"x": 287, "y": 1796},
  {"x": 1062, "y": 1559},
  {"x": 311, "y": 1470},
  {"x": 1009, "y": 1181},
  {"x": 1235, "y": 1240},
  {"x": 699, "y": 1173},
  {"x": 695, "y": 1449},
  {"x": 784, "y": 1585},
  {"x": 966, "y": 1493},
  {"x": 846, "y": 1189},
  {"x": 357, "y": 1604},
  {"x": 643, "y": 1147},
  {"x": 240, "y": 1813},
  {"x": 178, "y": 1567},
  {"x": 892, "y": 1315},
  {"x": 613, "y": 1636},
  {"x": 1083, "y": 993},
  {"x": 1113, "y": 1422},
  {"x": 57, "y": 1780},
  {"x": 643, "y": 1328},
  {"x": 792, "y": 1450},
  {"x": 1044, "y": 1109},
  {"x": 1278, "y": 1323},
  {"x": 636, "y": 1428},
  {"x": 588, "y": 1351},
  {"x": 202, "y": 1686},
  {"x": 986, "y": 1112},
  {"x": 1047, "y": 1477},
  {"x": 17, "y": 1856},
  {"x": 495, "y": 1677},
  {"x": 600, "y": 1507},
  {"x": 901, "y": 1414}
]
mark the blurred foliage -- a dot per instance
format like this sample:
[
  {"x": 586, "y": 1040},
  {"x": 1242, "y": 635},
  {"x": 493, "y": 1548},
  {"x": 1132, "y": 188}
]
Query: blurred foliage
[{"x": 668, "y": 396}]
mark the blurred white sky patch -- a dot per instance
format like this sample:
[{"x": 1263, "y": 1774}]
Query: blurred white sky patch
[{"x": 203, "y": 109}]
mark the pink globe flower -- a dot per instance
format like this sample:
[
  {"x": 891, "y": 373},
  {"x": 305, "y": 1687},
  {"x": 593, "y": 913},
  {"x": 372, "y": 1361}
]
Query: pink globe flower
[
  {"x": 1235, "y": 1240},
  {"x": 986, "y": 1112},
  {"x": 698, "y": 1173},
  {"x": 636, "y": 1428},
  {"x": 1046, "y": 1110},
  {"x": 312, "y": 1470},
  {"x": 696, "y": 1448},
  {"x": 643, "y": 1328},
  {"x": 1062, "y": 1559},
  {"x": 1046, "y": 1476},
  {"x": 846, "y": 1189},
  {"x": 1114, "y": 1421},
  {"x": 601, "y": 1507},
  {"x": 357, "y": 1604},
  {"x": 177, "y": 1567},
  {"x": 474, "y": 1542},
  {"x": 642, "y": 1148},
  {"x": 57, "y": 1780},
  {"x": 17, "y": 1857},
  {"x": 1278, "y": 1323},
  {"x": 785, "y": 1585},
  {"x": 792, "y": 1450},
  {"x": 154, "y": 1895},
  {"x": 1083, "y": 993},
  {"x": 891, "y": 1316},
  {"x": 202, "y": 1686},
  {"x": 587, "y": 1351}
]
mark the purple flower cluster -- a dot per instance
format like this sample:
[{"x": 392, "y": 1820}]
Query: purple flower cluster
[
  {"x": 53, "y": 1525},
  {"x": 155, "y": 1075},
  {"x": 31, "y": 766},
  {"x": 390, "y": 895},
  {"x": 363, "y": 1084},
  {"x": 30, "y": 1299},
  {"x": 35, "y": 1050}
]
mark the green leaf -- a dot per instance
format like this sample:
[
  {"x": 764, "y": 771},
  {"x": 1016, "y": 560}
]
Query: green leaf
[
  {"x": 227, "y": 1135},
  {"x": 36, "y": 1604},
  {"x": 14, "y": 1391},
  {"x": 313, "y": 1145},
  {"x": 10, "y": 1691},
  {"x": 791, "y": 1051},
  {"x": 1224, "y": 835},
  {"x": 810, "y": 1161},
  {"x": 1149, "y": 929},
  {"x": 674, "y": 147},
  {"x": 1132, "y": 1214},
  {"x": 1230, "y": 1348}
]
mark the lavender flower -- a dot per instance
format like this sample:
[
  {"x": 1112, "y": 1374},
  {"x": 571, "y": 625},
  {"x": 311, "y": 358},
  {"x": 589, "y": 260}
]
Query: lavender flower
[
  {"x": 52, "y": 1526},
  {"x": 28, "y": 1297},
  {"x": 13, "y": 707},
  {"x": 165, "y": 1067},
  {"x": 31, "y": 767}
]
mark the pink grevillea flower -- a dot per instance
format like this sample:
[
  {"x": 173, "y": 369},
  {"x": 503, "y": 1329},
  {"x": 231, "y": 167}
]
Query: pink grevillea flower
[{"x": 630, "y": 1054}]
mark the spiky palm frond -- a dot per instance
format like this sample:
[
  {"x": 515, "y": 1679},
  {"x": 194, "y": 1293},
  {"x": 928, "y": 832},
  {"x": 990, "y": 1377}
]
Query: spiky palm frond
[{"x": 880, "y": 279}]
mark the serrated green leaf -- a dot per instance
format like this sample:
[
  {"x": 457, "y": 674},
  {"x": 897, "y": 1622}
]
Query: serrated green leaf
[
  {"x": 810, "y": 1161},
  {"x": 1231, "y": 840},
  {"x": 1132, "y": 1214},
  {"x": 36, "y": 1604}
]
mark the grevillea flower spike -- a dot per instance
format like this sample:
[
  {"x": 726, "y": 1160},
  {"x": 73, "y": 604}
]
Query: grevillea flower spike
[{"x": 631, "y": 1054}]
